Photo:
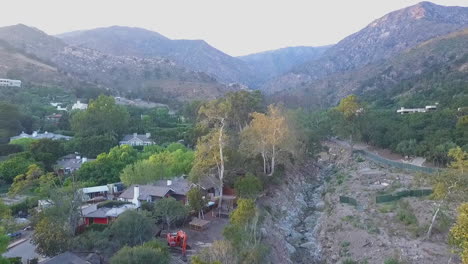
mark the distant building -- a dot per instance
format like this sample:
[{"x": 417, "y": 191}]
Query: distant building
[
  {"x": 79, "y": 106},
  {"x": 428, "y": 108},
  {"x": 70, "y": 163},
  {"x": 36, "y": 135},
  {"x": 137, "y": 140},
  {"x": 58, "y": 106},
  {"x": 8, "y": 82},
  {"x": 54, "y": 118}
]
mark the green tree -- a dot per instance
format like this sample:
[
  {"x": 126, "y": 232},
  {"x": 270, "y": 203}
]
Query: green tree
[
  {"x": 169, "y": 210},
  {"x": 459, "y": 232},
  {"x": 55, "y": 226},
  {"x": 47, "y": 151},
  {"x": 174, "y": 161},
  {"x": 268, "y": 135},
  {"x": 196, "y": 200},
  {"x": 248, "y": 187},
  {"x": 4, "y": 239},
  {"x": 103, "y": 116},
  {"x": 24, "y": 142},
  {"x": 451, "y": 185},
  {"x": 131, "y": 228},
  {"x": 242, "y": 104},
  {"x": 92, "y": 146},
  {"x": 107, "y": 167},
  {"x": 51, "y": 236},
  {"x": 10, "y": 124},
  {"x": 29, "y": 179},
  {"x": 242, "y": 233},
  {"x": 151, "y": 252},
  {"x": 351, "y": 111},
  {"x": 13, "y": 166}
]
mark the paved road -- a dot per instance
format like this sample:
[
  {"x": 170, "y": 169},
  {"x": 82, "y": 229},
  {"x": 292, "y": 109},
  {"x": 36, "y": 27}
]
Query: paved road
[{"x": 25, "y": 250}]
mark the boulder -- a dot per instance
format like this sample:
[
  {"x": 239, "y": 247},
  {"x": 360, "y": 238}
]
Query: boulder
[{"x": 308, "y": 245}]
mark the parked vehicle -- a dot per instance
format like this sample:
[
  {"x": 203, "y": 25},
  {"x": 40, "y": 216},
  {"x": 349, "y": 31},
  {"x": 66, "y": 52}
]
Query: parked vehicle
[{"x": 15, "y": 235}]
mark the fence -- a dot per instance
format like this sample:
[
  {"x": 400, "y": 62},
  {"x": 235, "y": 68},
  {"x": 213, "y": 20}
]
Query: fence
[
  {"x": 396, "y": 164},
  {"x": 402, "y": 194},
  {"x": 348, "y": 200}
]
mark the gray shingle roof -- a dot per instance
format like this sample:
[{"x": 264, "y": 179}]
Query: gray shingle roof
[
  {"x": 36, "y": 135},
  {"x": 66, "y": 258},
  {"x": 178, "y": 185},
  {"x": 146, "y": 191},
  {"x": 137, "y": 137}
]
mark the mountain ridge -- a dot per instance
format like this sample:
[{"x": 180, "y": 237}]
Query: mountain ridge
[
  {"x": 383, "y": 38},
  {"x": 146, "y": 77}
]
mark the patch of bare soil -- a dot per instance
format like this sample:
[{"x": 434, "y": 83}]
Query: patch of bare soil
[
  {"x": 371, "y": 232},
  {"x": 198, "y": 240}
]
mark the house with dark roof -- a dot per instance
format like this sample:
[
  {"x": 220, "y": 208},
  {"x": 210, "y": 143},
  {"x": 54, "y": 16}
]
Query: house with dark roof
[
  {"x": 137, "y": 194},
  {"x": 66, "y": 258},
  {"x": 137, "y": 140},
  {"x": 70, "y": 163},
  {"x": 176, "y": 188},
  {"x": 104, "y": 215}
]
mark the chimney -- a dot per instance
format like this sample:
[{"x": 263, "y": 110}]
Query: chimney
[
  {"x": 169, "y": 182},
  {"x": 78, "y": 157},
  {"x": 34, "y": 134},
  {"x": 148, "y": 135},
  {"x": 136, "y": 194},
  {"x": 83, "y": 160},
  {"x": 134, "y": 134}
]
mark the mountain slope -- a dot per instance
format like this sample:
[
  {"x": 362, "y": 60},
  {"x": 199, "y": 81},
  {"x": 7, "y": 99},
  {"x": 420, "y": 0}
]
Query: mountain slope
[
  {"x": 155, "y": 79},
  {"x": 196, "y": 55},
  {"x": 270, "y": 64},
  {"x": 434, "y": 71},
  {"x": 386, "y": 37}
]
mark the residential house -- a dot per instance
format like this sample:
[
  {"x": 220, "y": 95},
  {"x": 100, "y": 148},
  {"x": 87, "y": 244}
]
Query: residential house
[
  {"x": 37, "y": 135},
  {"x": 137, "y": 140},
  {"x": 54, "y": 118},
  {"x": 104, "y": 215},
  {"x": 9, "y": 82},
  {"x": 66, "y": 258},
  {"x": 79, "y": 106},
  {"x": 58, "y": 106},
  {"x": 70, "y": 163},
  {"x": 137, "y": 194},
  {"x": 176, "y": 188},
  {"x": 107, "y": 192},
  {"x": 428, "y": 108}
]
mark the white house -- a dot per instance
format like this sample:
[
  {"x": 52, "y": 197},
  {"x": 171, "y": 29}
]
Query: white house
[
  {"x": 37, "y": 135},
  {"x": 8, "y": 82},
  {"x": 137, "y": 140},
  {"x": 428, "y": 108},
  {"x": 79, "y": 106}
]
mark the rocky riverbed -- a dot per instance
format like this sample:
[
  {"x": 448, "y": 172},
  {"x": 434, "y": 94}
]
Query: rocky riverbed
[{"x": 294, "y": 209}]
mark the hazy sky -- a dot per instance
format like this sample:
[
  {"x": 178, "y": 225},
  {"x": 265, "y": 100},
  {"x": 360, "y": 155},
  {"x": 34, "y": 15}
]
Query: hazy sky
[{"x": 236, "y": 27}]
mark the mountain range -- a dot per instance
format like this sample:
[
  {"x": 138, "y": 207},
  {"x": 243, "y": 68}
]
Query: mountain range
[{"x": 142, "y": 63}]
